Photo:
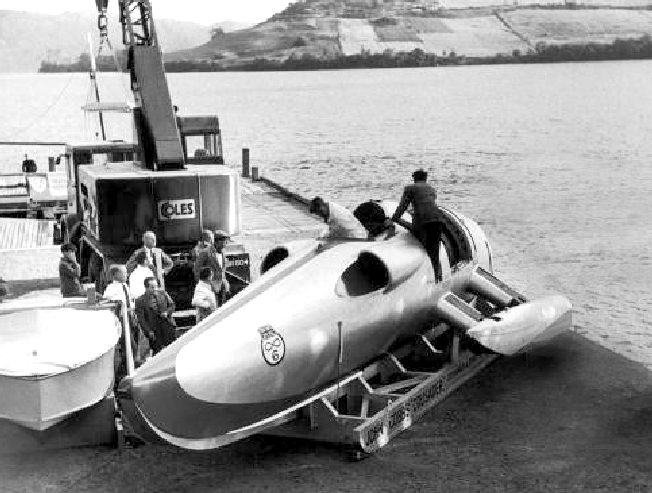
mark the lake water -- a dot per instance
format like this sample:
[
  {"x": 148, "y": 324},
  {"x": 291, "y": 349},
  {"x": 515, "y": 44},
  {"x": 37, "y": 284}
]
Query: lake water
[{"x": 553, "y": 160}]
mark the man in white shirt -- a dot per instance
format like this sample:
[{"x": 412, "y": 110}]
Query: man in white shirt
[
  {"x": 118, "y": 289},
  {"x": 342, "y": 224},
  {"x": 204, "y": 298},
  {"x": 138, "y": 276}
]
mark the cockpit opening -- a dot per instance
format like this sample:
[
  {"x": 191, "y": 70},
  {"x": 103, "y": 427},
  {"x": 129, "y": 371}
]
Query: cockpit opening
[
  {"x": 366, "y": 275},
  {"x": 274, "y": 257}
]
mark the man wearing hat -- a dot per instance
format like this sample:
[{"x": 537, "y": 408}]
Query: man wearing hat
[
  {"x": 213, "y": 257},
  {"x": 426, "y": 223},
  {"x": 205, "y": 241},
  {"x": 69, "y": 272}
]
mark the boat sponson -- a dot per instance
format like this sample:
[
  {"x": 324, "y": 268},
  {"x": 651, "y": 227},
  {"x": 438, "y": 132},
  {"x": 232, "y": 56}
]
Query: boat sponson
[{"x": 518, "y": 328}]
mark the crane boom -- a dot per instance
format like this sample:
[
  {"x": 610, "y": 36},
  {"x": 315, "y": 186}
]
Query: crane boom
[{"x": 154, "y": 116}]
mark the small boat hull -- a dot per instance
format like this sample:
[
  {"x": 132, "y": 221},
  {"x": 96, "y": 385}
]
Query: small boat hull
[
  {"x": 39, "y": 403},
  {"x": 56, "y": 358},
  {"x": 93, "y": 425}
]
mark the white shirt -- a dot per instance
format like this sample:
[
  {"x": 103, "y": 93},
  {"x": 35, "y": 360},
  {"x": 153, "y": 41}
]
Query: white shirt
[
  {"x": 116, "y": 292},
  {"x": 137, "y": 280},
  {"x": 342, "y": 224},
  {"x": 204, "y": 300}
]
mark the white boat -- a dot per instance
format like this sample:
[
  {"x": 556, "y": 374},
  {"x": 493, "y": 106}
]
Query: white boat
[{"x": 56, "y": 357}]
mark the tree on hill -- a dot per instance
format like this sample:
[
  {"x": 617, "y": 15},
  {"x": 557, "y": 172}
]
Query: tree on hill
[{"x": 217, "y": 32}]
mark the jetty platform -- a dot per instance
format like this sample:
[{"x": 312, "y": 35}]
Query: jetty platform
[
  {"x": 568, "y": 416},
  {"x": 271, "y": 215}
]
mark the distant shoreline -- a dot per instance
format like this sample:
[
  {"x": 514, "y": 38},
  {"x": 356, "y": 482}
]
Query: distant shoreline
[{"x": 620, "y": 49}]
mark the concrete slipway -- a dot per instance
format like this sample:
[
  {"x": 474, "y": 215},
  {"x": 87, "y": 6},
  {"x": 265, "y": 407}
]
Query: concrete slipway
[{"x": 570, "y": 416}]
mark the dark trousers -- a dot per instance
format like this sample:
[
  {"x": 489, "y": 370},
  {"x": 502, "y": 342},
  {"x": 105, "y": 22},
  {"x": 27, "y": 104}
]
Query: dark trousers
[
  {"x": 164, "y": 334},
  {"x": 430, "y": 236}
]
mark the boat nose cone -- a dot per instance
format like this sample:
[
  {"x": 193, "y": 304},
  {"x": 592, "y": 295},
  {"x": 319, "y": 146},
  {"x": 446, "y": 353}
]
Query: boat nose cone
[
  {"x": 253, "y": 365},
  {"x": 222, "y": 379}
]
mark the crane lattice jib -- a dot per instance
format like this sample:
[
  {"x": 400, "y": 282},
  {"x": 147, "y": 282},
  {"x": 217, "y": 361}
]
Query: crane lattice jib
[{"x": 137, "y": 24}]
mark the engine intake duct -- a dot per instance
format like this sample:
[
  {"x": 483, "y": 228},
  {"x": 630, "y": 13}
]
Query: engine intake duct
[
  {"x": 455, "y": 311},
  {"x": 485, "y": 285}
]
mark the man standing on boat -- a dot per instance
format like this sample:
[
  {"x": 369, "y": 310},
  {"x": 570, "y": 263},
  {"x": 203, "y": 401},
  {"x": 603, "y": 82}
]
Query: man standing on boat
[
  {"x": 342, "y": 224},
  {"x": 69, "y": 272},
  {"x": 426, "y": 225},
  {"x": 154, "y": 310},
  {"x": 157, "y": 260}
]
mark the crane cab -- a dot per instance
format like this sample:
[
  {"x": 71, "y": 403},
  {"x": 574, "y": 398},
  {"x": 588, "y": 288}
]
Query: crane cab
[{"x": 201, "y": 139}]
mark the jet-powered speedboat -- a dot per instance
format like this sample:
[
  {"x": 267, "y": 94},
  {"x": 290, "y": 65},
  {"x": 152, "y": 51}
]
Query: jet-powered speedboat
[{"x": 318, "y": 312}]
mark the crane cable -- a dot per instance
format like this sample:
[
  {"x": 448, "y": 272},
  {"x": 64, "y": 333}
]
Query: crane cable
[
  {"x": 104, "y": 39},
  {"x": 47, "y": 110}
]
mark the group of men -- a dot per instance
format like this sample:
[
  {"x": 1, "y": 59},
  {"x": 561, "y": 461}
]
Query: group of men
[
  {"x": 140, "y": 286},
  {"x": 426, "y": 218}
]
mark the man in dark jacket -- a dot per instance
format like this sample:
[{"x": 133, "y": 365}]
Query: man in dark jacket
[
  {"x": 69, "y": 272},
  {"x": 213, "y": 257},
  {"x": 154, "y": 311},
  {"x": 157, "y": 260},
  {"x": 426, "y": 223}
]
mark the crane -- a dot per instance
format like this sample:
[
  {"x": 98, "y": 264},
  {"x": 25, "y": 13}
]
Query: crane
[
  {"x": 177, "y": 185},
  {"x": 154, "y": 116}
]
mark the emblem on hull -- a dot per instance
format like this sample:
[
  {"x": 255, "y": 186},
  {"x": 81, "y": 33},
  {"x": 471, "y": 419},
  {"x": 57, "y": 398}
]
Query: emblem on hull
[{"x": 272, "y": 345}]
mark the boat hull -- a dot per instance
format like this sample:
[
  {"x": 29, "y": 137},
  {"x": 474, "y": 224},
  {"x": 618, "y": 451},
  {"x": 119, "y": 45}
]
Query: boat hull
[
  {"x": 225, "y": 372},
  {"x": 94, "y": 425},
  {"x": 41, "y": 402},
  {"x": 318, "y": 315},
  {"x": 57, "y": 356}
]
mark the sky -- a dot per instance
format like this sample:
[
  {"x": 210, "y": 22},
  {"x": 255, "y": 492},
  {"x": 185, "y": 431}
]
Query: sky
[{"x": 202, "y": 11}]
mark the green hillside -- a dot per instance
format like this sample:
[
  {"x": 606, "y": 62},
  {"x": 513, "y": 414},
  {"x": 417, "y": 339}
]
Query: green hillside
[{"x": 326, "y": 29}]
